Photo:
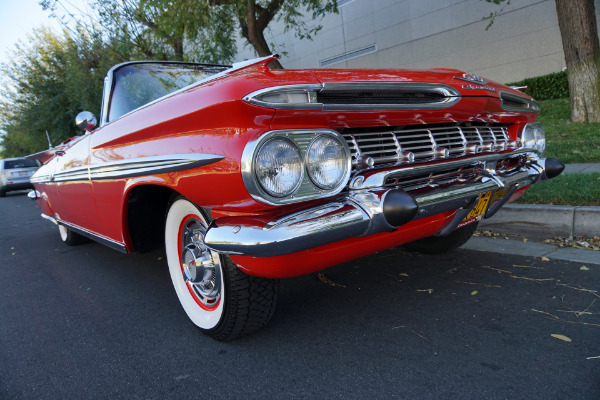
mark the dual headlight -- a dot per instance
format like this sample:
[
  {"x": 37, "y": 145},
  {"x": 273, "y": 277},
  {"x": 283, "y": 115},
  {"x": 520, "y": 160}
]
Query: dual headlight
[
  {"x": 533, "y": 137},
  {"x": 288, "y": 166}
]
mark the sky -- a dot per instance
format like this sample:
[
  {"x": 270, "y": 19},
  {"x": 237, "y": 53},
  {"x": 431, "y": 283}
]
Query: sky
[{"x": 19, "y": 17}]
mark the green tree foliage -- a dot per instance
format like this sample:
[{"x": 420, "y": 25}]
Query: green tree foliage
[
  {"x": 254, "y": 16},
  {"x": 203, "y": 31},
  {"x": 46, "y": 83},
  {"x": 54, "y": 77}
]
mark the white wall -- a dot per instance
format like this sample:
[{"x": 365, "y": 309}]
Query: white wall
[{"x": 524, "y": 41}]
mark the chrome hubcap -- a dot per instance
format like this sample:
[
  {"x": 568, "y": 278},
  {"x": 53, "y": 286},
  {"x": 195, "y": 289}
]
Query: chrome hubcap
[{"x": 201, "y": 267}]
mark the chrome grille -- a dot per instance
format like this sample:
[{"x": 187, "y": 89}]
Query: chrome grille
[
  {"x": 481, "y": 134},
  {"x": 433, "y": 180},
  {"x": 390, "y": 146},
  {"x": 451, "y": 176}
]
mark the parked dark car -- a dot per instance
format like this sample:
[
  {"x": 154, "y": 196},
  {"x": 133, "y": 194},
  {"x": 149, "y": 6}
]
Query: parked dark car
[{"x": 15, "y": 174}]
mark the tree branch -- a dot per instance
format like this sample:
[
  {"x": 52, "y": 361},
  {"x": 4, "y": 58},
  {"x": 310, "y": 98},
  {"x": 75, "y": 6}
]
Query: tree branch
[{"x": 266, "y": 14}]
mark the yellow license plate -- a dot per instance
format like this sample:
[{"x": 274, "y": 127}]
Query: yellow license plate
[
  {"x": 480, "y": 207},
  {"x": 476, "y": 214},
  {"x": 485, "y": 199}
]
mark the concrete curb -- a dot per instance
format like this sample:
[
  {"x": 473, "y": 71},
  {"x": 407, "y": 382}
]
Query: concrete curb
[{"x": 545, "y": 220}]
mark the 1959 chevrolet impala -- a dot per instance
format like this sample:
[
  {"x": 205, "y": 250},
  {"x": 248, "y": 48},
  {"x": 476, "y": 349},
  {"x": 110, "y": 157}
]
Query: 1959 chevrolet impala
[{"x": 248, "y": 174}]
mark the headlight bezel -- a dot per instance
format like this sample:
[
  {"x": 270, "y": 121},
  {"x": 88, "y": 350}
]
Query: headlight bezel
[
  {"x": 347, "y": 163},
  {"x": 533, "y": 137},
  {"x": 307, "y": 189},
  {"x": 265, "y": 146}
]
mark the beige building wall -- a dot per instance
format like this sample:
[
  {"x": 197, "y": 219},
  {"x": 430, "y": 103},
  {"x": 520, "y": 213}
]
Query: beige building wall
[{"x": 524, "y": 41}]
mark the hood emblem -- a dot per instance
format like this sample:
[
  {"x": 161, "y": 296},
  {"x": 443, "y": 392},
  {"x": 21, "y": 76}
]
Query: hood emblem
[
  {"x": 475, "y": 83},
  {"x": 471, "y": 78}
]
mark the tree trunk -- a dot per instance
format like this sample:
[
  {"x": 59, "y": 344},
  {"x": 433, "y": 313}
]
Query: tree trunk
[
  {"x": 577, "y": 23},
  {"x": 254, "y": 34},
  {"x": 262, "y": 48},
  {"x": 177, "y": 45}
]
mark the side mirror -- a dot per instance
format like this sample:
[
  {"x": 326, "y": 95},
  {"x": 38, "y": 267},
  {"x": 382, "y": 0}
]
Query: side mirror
[{"x": 86, "y": 121}]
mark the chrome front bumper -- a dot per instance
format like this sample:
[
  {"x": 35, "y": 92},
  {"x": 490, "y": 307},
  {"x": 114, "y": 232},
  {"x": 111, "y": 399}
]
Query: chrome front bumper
[{"x": 370, "y": 208}]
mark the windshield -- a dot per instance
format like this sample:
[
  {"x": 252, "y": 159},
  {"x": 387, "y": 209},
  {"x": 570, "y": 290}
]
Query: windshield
[
  {"x": 21, "y": 163},
  {"x": 141, "y": 83}
]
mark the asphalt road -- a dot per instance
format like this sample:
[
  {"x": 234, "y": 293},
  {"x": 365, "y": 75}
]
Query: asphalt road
[{"x": 89, "y": 322}]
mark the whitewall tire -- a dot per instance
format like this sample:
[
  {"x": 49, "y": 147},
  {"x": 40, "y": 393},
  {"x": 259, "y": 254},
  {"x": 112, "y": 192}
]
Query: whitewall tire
[{"x": 217, "y": 297}]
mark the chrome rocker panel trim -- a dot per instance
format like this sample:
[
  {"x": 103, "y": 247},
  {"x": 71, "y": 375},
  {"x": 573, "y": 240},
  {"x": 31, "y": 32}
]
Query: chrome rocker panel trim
[
  {"x": 360, "y": 213},
  {"x": 100, "y": 239}
]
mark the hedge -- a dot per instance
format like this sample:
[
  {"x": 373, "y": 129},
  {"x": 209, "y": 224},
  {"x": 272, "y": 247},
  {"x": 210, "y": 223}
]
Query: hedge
[{"x": 546, "y": 87}]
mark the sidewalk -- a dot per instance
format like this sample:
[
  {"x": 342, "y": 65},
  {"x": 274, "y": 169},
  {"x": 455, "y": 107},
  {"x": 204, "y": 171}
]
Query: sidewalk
[
  {"x": 581, "y": 168},
  {"x": 532, "y": 249}
]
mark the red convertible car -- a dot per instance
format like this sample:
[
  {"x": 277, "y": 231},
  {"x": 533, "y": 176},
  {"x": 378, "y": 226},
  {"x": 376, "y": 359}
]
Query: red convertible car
[{"x": 247, "y": 174}]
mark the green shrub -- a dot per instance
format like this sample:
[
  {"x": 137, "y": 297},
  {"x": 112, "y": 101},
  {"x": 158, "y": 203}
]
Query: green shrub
[{"x": 546, "y": 87}]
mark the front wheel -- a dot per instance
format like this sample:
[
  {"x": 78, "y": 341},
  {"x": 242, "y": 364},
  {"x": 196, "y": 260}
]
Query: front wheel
[{"x": 219, "y": 299}]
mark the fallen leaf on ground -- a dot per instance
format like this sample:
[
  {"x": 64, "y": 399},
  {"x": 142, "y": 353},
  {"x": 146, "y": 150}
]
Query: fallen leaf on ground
[
  {"x": 584, "y": 268},
  {"x": 526, "y": 266},
  {"x": 561, "y": 337},
  {"x": 532, "y": 279},
  {"x": 577, "y": 242},
  {"x": 545, "y": 259},
  {"x": 480, "y": 284},
  {"x": 412, "y": 330},
  {"x": 328, "y": 281},
  {"x": 474, "y": 292}
]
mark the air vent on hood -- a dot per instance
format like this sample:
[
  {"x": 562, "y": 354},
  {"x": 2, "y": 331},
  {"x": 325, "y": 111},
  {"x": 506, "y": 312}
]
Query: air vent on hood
[
  {"x": 514, "y": 102},
  {"x": 381, "y": 97},
  {"x": 394, "y": 96},
  {"x": 357, "y": 96}
]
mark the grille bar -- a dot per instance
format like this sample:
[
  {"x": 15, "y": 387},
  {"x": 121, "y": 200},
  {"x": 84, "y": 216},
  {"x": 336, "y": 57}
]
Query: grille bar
[
  {"x": 451, "y": 176},
  {"x": 387, "y": 146},
  {"x": 433, "y": 180}
]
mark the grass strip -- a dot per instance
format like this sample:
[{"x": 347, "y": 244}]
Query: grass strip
[
  {"x": 568, "y": 142},
  {"x": 565, "y": 189}
]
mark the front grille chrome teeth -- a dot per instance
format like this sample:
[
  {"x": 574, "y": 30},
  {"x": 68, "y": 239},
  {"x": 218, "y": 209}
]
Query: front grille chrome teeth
[
  {"x": 407, "y": 145},
  {"x": 452, "y": 176}
]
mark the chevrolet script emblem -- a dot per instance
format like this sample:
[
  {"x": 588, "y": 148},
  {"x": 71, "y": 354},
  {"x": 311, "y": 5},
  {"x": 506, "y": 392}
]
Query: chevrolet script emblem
[{"x": 476, "y": 83}]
